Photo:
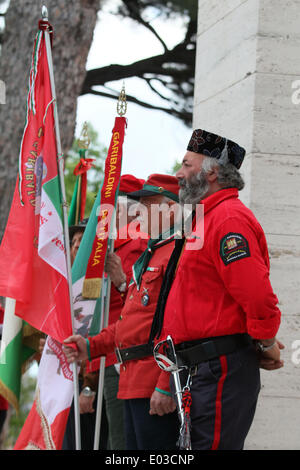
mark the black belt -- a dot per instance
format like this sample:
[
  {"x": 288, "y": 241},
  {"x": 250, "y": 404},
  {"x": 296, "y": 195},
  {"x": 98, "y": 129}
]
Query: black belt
[
  {"x": 193, "y": 352},
  {"x": 134, "y": 352}
]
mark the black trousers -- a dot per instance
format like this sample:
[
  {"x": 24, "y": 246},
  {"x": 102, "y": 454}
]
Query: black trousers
[
  {"x": 224, "y": 396},
  {"x": 87, "y": 428},
  {"x": 3, "y": 414},
  {"x": 149, "y": 432}
]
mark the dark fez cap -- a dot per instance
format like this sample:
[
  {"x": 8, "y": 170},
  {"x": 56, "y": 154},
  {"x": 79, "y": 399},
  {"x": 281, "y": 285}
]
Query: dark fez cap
[{"x": 215, "y": 146}]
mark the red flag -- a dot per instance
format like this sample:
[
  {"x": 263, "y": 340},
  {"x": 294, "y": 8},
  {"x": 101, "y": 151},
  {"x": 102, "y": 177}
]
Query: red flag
[
  {"x": 80, "y": 171},
  {"x": 45, "y": 424},
  {"x": 32, "y": 254}
]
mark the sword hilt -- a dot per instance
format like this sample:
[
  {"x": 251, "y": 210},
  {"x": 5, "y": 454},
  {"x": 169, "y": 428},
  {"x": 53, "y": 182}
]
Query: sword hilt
[{"x": 168, "y": 360}]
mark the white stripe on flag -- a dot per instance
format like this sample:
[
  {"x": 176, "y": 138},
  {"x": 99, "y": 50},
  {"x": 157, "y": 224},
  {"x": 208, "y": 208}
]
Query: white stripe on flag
[{"x": 51, "y": 245}]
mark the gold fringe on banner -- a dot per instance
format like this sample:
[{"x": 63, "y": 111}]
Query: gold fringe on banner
[
  {"x": 31, "y": 337},
  {"x": 91, "y": 288},
  {"x": 45, "y": 426}
]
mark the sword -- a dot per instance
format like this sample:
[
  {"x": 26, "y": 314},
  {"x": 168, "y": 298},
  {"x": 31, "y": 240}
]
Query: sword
[{"x": 168, "y": 362}]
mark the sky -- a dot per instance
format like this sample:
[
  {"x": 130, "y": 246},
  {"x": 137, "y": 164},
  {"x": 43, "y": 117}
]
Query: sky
[{"x": 154, "y": 141}]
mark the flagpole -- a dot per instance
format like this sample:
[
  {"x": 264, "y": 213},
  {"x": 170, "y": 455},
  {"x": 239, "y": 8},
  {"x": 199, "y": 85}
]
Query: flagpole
[
  {"x": 83, "y": 144},
  {"x": 105, "y": 304},
  {"x": 65, "y": 223}
]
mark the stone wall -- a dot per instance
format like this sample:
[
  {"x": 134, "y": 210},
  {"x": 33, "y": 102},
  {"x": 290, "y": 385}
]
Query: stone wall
[{"x": 248, "y": 56}]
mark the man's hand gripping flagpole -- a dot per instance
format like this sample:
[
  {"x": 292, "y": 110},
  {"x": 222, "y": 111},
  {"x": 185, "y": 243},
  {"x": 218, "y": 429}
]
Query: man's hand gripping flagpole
[
  {"x": 65, "y": 223},
  {"x": 167, "y": 361},
  {"x": 105, "y": 304}
]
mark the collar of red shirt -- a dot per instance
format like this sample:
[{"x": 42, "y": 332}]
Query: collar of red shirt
[
  {"x": 123, "y": 236},
  {"x": 214, "y": 199}
]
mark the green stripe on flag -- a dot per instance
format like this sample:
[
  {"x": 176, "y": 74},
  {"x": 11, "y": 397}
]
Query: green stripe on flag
[
  {"x": 73, "y": 205},
  {"x": 81, "y": 261},
  {"x": 12, "y": 360},
  {"x": 96, "y": 320},
  {"x": 53, "y": 190},
  {"x": 85, "y": 248}
]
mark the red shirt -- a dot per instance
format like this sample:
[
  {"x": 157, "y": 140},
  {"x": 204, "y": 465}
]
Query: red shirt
[
  {"x": 129, "y": 251},
  {"x": 223, "y": 288},
  {"x": 138, "y": 378}
]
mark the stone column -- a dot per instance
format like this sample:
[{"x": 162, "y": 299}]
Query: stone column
[{"x": 248, "y": 64}]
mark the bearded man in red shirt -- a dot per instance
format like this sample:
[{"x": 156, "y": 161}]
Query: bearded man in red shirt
[{"x": 218, "y": 304}]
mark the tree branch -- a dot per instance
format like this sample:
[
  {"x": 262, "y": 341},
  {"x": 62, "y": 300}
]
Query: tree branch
[
  {"x": 185, "y": 116},
  {"x": 135, "y": 13},
  {"x": 174, "y": 69},
  {"x": 152, "y": 65},
  {"x": 152, "y": 87}
]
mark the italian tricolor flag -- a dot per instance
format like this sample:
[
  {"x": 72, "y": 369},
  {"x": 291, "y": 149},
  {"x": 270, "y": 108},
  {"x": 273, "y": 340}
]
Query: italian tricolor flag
[
  {"x": 33, "y": 254},
  {"x": 19, "y": 345},
  {"x": 33, "y": 271}
]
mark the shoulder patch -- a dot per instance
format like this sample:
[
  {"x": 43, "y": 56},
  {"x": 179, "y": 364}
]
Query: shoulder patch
[{"x": 233, "y": 247}]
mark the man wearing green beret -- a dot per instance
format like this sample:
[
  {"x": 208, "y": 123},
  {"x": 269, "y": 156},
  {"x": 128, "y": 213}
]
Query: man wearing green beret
[{"x": 150, "y": 412}]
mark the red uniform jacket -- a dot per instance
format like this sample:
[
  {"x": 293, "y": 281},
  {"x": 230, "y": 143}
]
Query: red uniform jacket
[
  {"x": 224, "y": 287},
  {"x": 129, "y": 251},
  {"x": 138, "y": 378}
]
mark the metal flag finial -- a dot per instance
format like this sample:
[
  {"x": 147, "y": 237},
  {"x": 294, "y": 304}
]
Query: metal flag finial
[
  {"x": 122, "y": 103},
  {"x": 45, "y": 13},
  {"x": 84, "y": 139}
]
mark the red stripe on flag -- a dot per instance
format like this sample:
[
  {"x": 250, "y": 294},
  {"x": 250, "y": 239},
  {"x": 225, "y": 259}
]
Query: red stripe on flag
[
  {"x": 36, "y": 434},
  {"x": 218, "y": 417}
]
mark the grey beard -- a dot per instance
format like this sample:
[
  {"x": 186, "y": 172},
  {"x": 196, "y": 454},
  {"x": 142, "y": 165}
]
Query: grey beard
[{"x": 193, "y": 190}]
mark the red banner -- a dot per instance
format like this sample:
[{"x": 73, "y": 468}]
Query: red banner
[
  {"x": 113, "y": 164},
  {"x": 81, "y": 170}
]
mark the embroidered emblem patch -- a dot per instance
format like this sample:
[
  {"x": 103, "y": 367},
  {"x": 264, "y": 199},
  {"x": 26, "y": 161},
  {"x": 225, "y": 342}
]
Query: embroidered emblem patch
[
  {"x": 145, "y": 297},
  {"x": 233, "y": 247}
]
